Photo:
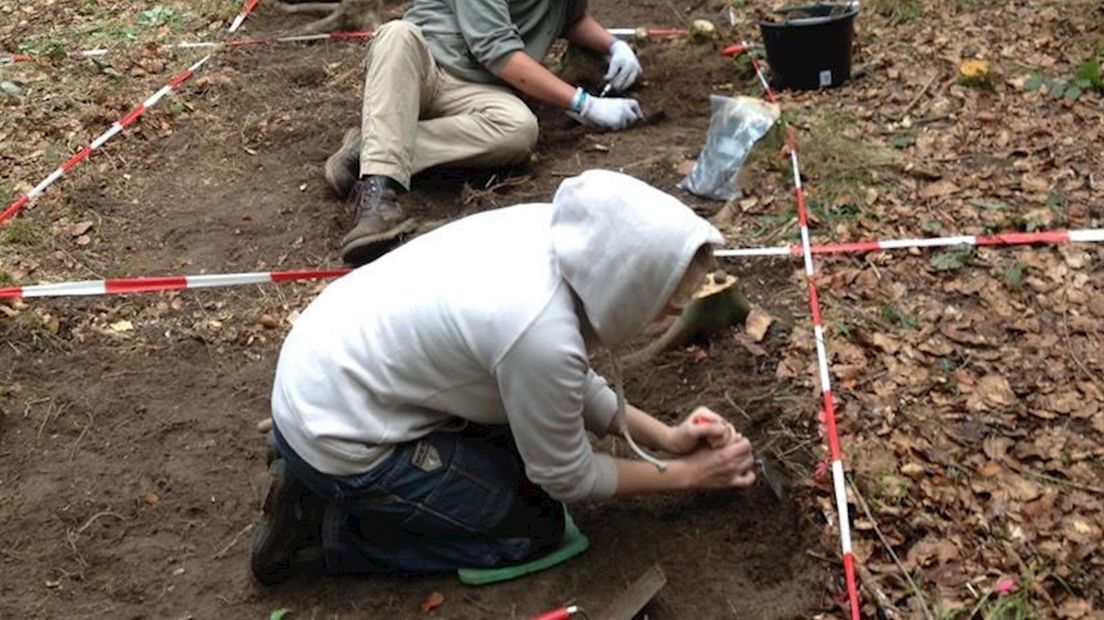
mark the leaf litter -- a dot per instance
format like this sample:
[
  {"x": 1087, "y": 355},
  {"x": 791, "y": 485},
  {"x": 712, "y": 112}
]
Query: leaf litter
[{"x": 970, "y": 380}]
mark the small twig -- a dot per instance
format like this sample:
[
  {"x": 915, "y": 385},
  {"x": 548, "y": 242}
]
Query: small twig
[
  {"x": 889, "y": 610},
  {"x": 919, "y": 95},
  {"x": 30, "y": 403},
  {"x": 73, "y": 449},
  {"x": 736, "y": 407},
  {"x": 51, "y": 411},
  {"x": 1069, "y": 347},
  {"x": 893, "y": 554},
  {"x": 1024, "y": 570},
  {"x": 233, "y": 541},
  {"x": 92, "y": 519},
  {"x": 977, "y": 608},
  {"x": 1062, "y": 481},
  {"x": 679, "y": 18},
  {"x": 646, "y": 160}
]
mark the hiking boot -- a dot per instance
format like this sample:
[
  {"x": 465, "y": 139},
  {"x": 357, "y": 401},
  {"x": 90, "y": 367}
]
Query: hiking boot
[
  {"x": 343, "y": 167},
  {"x": 379, "y": 221},
  {"x": 289, "y": 524}
]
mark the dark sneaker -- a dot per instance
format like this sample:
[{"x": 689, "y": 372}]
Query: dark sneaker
[
  {"x": 343, "y": 167},
  {"x": 379, "y": 222},
  {"x": 286, "y": 527}
]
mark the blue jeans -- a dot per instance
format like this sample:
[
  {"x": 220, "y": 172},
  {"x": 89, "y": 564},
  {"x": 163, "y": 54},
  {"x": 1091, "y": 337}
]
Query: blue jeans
[{"x": 446, "y": 501}]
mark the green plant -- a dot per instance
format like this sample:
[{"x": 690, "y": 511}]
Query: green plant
[
  {"x": 1015, "y": 606},
  {"x": 931, "y": 227},
  {"x": 898, "y": 11},
  {"x": 841, "y": 328},
  {"x": 19, "y": 232},
  {"x": 952, "y": 259},
  {"x": 1013, "y": 276},
  {"x": 160, "y": 16},
  {"x": 1087, "y": 77},
  {"x": 891, "y": 314}
]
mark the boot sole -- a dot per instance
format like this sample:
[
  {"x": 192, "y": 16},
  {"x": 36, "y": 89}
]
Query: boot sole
[
  {"x": 337, "y": 173},
  {"x": 274, "y": 536},
  {"x": 363, "y": 250}
]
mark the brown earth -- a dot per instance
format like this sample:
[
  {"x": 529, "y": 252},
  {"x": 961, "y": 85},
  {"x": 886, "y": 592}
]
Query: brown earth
[{"x": 130, "y": 464}]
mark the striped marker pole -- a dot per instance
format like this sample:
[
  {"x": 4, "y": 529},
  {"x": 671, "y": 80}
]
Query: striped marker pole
[
  {"x": 651, "y": 32},
  {"x": 246, "y": 10},
  {"x": 839, "y": 483},
  {"x": 154, "y": 284},
  {"x": 759, "y": 73},
  {"x": 829, "y": 411},
  {"x": 11, "y": 59},
  {"x": 117, "y": 127},
  {"x": 1049, "y": 237}
]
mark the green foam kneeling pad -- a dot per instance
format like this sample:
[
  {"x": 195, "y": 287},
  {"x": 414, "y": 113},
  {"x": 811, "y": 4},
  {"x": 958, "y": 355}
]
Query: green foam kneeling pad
[{"x": 574, "y": 543}]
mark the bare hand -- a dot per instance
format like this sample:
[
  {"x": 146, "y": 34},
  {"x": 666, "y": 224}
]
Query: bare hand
[
  {"x": 727, "y": 467},
  {"x": 701, "y": 428}
]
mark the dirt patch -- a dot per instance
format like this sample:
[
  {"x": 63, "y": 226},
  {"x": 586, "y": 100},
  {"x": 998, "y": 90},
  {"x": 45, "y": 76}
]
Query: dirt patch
[{"x": 130, "y": 463}]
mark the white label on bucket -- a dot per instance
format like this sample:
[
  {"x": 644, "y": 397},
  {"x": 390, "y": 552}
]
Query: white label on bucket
[{"x": 826, "y": 78}]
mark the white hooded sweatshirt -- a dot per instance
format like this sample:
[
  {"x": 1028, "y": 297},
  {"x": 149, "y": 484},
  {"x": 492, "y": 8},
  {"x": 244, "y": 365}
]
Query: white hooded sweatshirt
[{"x": 480, "y": 320}]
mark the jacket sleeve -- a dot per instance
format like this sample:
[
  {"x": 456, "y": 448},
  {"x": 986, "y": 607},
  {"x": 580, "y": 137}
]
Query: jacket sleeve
[
  {"x": 576, "y": 9},
  {"x": 599, "y": 405},
  {"x": 545, "y": 383},
  {"x": 488, "y": 30}
]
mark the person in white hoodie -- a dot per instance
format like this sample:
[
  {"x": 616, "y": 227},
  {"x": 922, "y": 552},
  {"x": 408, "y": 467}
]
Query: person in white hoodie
[{"x": 431, "y": 409}]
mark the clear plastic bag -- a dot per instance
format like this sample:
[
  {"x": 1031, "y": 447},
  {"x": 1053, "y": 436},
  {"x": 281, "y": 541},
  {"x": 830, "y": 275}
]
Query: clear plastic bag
[{"x": 737, "y": 124}]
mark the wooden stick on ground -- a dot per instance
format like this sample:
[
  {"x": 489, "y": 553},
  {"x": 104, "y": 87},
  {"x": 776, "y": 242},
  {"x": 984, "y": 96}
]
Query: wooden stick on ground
[
  {"x": 871, "y": 586},
  {"x": 893, "y": 554}
]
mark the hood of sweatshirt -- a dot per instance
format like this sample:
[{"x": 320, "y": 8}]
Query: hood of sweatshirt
[{"x": 623, "y": 246}]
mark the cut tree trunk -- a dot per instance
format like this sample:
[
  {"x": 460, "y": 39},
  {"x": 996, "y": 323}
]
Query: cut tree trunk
[{"x": 717, "y": 306}]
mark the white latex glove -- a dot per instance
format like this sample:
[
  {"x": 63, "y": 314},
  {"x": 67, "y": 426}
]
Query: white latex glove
[
  {"x": 624, "y": 68},
  {"x": 608, "y": 113}
]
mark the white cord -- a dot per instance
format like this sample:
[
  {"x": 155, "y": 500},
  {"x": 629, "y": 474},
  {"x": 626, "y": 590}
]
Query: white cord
[{"x": 619, "y": 389}]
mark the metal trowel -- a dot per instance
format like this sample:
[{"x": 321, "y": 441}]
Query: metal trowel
[{"x": 769, "y": 473}]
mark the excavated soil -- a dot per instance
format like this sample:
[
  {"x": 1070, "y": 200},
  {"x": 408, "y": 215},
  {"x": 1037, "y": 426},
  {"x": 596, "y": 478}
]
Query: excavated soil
[{"x": 129, "y": 463}]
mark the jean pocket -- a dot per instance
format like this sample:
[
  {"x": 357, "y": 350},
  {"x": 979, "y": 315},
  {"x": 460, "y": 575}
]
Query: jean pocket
[{"x": 451, "y": 486}]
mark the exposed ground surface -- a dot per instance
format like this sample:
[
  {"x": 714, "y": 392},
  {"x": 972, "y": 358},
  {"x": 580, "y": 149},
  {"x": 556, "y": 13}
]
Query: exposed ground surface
[{"x": 969, "y": 383}]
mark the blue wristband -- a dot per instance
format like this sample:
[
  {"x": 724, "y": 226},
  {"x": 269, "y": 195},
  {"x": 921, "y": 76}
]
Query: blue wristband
[{"x": 578, "y": 100}]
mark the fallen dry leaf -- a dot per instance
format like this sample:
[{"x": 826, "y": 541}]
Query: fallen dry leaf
[
  {"x": 886, "y": 343},
  {"x": 78, "y": 229},
  {"x": 757, "y": 323},
  {"x": 996, "y": 391},
  {"x": 431, "y": 602},
  {"x": 749, "y": 345},
  {"x": 939, "y": 189}
]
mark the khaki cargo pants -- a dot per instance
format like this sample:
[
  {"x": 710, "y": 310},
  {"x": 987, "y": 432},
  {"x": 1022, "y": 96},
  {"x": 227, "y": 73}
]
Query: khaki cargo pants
[{"x": 417, "y": 116}]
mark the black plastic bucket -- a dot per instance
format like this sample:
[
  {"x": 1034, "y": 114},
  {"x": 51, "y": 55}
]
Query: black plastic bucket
[{"x": 810, "y": 47}]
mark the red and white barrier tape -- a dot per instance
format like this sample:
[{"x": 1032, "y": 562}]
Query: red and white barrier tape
[
  {"x": 164, "y": 283},
  {"x": 1048, "y": 237},
  {"x": 115, "y": 128},
  {"x": 240, "y": 18},
  {"x": 153, "y": 284},
  {"x": 829, "y": 412},
  {"x": 6, "y": 59},
  {"x": 186, "y": 45}
]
